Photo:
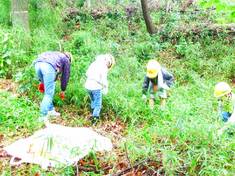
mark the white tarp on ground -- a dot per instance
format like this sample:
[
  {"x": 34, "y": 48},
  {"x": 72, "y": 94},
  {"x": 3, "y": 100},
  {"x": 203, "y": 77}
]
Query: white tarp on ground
[{"x": 57, "y": 146}]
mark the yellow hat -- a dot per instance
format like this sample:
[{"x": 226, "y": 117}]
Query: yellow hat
[
  {"x": 153, "y": 67},
  {"x": 221, "y": 89}
]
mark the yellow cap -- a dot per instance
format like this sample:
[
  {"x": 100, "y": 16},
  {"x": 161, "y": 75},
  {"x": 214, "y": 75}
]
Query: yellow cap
[
  {"x": 221, "y": 89},
  {"x": 153, "y": 67}
]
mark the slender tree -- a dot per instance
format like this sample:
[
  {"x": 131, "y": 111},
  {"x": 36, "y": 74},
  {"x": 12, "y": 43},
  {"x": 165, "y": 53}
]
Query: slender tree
[{"x": 147, "y": 18}]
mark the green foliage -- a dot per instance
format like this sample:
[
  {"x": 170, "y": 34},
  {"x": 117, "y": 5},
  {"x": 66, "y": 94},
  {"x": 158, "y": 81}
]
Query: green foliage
[
  {"x": 80, "y": 3},
  {"x": 45, "y": 22},
  {"x": 181, "y": 138},
  {"x": 13, "y": 49},
  {"x": 225, "y": 9},
  {"x": 5, "y": 53},
  {"x": 195, "y": 55},
  {"x": 5, "y": 12},
  {"x": 17, "y": 113},
  {"x": 44, "y": 15},
  {"x": 146, "y": 50}
]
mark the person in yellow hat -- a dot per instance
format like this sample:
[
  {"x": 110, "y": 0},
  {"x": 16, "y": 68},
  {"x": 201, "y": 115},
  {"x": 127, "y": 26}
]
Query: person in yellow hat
[
  {"x": 226, "y": 103},
  {"x": 156, "y": 81}
]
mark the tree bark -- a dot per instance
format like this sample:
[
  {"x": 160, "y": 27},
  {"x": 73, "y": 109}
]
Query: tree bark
[
  {"x": 88, "y": 4},
  {"x": 20, "y": 15},
  {"x": 147, "y": 18}
]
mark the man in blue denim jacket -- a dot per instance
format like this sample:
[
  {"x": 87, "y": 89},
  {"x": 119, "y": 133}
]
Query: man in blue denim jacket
[{"x": 48, "y": 66}]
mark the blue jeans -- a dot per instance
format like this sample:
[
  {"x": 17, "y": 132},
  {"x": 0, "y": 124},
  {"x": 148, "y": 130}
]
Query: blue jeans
[
  {"x": 225, "y": 116},
  {"x": 46, "y": 74},
  {"x": 96, "y": 102}
]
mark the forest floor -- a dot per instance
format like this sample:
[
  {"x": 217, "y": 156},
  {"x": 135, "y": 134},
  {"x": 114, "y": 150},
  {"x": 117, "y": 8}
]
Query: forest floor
[{"x": 114, "y": 129}]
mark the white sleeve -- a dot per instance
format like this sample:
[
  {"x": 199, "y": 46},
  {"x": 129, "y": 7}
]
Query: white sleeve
[
  {"x": 160, "y": 79},
  {"x": 161, "y": 83},
  {"x": 104, "y": 80}
]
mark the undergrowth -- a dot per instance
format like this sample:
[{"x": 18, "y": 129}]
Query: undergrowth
[{"x": 182, "y": 138}]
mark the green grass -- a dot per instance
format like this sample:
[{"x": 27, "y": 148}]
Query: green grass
[
  {"x": 19, "y": 119},
  {"x": 182, "y": 139},
  {"x": 5, "y": 7},
  {"x": 17, "y": 113}
]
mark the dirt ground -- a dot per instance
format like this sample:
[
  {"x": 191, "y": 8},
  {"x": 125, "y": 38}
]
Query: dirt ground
[
  {"x": 8, "y": 85},
  {"x": 114, "y": 129}
]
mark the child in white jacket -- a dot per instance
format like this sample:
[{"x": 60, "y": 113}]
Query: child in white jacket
[{"x": 97, "y": 83}]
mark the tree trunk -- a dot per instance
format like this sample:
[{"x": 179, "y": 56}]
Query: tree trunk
[
  {"x": 147, "y": 18},
  {"x": 88, "y": 4},
  {"x": 20, "y": 15}
]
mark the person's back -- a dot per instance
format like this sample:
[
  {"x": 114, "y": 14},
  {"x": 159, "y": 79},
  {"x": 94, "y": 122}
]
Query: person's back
[
  {"x": 55, "y": 58},
  {"x": 96, "y": 75},
  {"x": 47, "y": 66}
]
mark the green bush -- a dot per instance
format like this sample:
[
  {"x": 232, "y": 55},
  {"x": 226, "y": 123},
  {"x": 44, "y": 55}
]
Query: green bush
[
  {"x": 145, "y": 50},
  {"x": 5, "y": 53},
  {"x": 5, "y": 12},
  {"x": 14, "y": 46},
  {"x": 225, "y": 9},
  {"x": 80, "y": 3},
  {"x": 182, "y": 138}
]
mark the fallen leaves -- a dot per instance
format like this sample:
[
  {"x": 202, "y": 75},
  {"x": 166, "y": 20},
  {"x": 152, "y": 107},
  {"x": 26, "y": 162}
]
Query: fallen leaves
[
  {"x": 8, "y": 85},
  {"x": 1, "y": 138}
]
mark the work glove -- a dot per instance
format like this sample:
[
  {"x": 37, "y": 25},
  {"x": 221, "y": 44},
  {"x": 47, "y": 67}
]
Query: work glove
[
  {"x": 144, "y": 98},
  {"x": 62, "y": 95},
  {"x": 41, "y": 88},
  {"x": 105, "y": 91}
]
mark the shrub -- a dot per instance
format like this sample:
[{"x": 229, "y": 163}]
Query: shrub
[
  {"x": 14, "y": 45},
  {"x": 5, "y": 12}
]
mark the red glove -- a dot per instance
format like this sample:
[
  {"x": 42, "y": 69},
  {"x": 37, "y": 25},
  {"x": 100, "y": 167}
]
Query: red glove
[
  {"x": 62, "y": 96},
  {"x": 41, "y": 88}
]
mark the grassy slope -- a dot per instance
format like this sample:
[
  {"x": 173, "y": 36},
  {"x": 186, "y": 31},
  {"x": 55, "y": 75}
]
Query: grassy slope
[{"x": 182, "y": 138}]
